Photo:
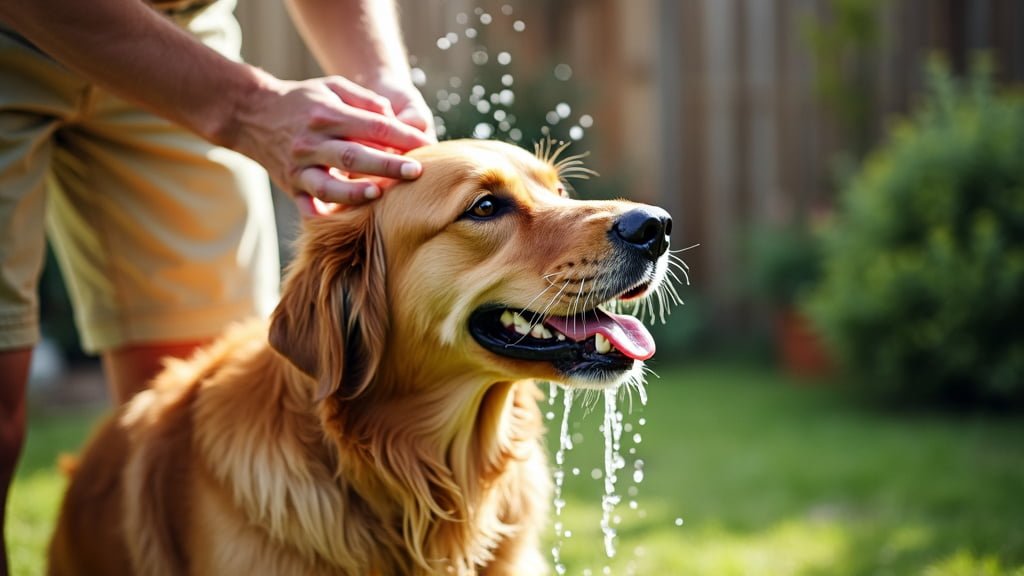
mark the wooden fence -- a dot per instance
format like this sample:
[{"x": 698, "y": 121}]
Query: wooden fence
[{"x": 711, "y": 108}]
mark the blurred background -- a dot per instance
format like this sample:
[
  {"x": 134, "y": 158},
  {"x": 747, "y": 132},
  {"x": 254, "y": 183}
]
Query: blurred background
[{"x": 841, "y": 392}]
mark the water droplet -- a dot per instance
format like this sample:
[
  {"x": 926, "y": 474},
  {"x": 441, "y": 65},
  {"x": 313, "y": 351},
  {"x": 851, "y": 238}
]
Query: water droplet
[
  {"x": 452, "y": 37},
  {"x": 519, "y": 25},
  {"x": 637, "y": 438},
  {"x": 506, "y": 80},
  {"x": 638, "y": 476},
  {"x": 454, "y": 99},
  {"x": 504, "y": 58},
  {"x": 483, "y": 131},
  {"x": 455, "y": 81},
  {"x": 483, "y": 106},
  {"x": 627, "y": 427},
  {"x": 507, "y": 97},
  {"x": 575, "y": 132},
  {"x": 506, "y": 9},
  {"x": 479, "y": 57},
  {"x": 567, "y": 533},
  {"x": 575, "y": 471},
  {"x": 504, "y": 126},
  {"x": 444, "y": 43},
  {"x": 587, "y": 121},
  {"x": 470, "y": 33},
  {"x": 515, "y": 134},
  {"x": 478, "y": 10},
  {"x": 552, "y": 117},
  {"x": 633, "y": 505},
  {"x": 549, "y": 416},
  {"x": 679, "y": 521},
  {"x": 443, "y": 105},
  {"x": 642, "y": 422},
  {"x": 633, "y": 491},
  {"x": 480, "y": 91},
  {"x": 485, "y": 18},
  {"x": 461, "y": 18},
  {"x": 596, "y": 473},
  {"x": 563, "y": 109},
  {"x": 419, "y": 77},
  {"x": 563, "y": 72},
  {"x": 499, "y": 115},
  {"x": 495, "y": 98}
]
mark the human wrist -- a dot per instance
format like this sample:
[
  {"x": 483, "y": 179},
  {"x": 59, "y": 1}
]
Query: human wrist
[{"x": 244, "y": 97}]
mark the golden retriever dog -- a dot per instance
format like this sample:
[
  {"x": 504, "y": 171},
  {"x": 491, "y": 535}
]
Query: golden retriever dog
[{"x": 385, "y": 421}]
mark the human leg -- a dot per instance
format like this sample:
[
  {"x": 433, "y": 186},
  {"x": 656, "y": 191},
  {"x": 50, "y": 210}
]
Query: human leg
[
  {"x": 130, "y": 368},
  {"x": 14, "y": 364}
]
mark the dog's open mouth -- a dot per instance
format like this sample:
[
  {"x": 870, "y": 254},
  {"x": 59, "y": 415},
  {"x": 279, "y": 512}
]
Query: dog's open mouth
[{"x": 592, "y": 341}]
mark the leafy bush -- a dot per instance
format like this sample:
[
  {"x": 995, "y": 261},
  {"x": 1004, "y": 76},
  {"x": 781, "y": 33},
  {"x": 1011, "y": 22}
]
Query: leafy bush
[
  {"x": 785, "y": 264},
  {"x": 923, "y": 287}
]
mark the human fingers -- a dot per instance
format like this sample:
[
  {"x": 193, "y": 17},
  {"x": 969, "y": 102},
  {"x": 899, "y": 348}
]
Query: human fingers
[
  {"x": 310, "y": 207},
  {"x": 355, "y": 95},
  {"x": 353, "y": 157},
  {"x": 325, "y": 185},
  {"x": 378, "y": 129}
]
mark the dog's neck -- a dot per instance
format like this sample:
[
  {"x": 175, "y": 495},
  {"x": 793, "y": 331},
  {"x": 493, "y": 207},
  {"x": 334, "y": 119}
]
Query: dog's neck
[{"x": 429, "y": 465}]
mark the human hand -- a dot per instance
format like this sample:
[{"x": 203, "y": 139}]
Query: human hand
[
  {"x": 321, "y": 138},
  {"x": 408, "y": 104}
]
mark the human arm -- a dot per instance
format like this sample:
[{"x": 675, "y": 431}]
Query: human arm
[
  {"x": 361, "y": 40},
  {"x": 294, "y": 129}
]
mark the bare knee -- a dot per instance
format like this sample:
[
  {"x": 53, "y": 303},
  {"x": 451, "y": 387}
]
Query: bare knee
[
  {"x": 129, "y": 369},
  {"x": 14, "y": 363}
]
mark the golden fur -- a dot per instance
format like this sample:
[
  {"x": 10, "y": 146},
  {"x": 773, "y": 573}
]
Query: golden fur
[{"x": 361, "y": 431}]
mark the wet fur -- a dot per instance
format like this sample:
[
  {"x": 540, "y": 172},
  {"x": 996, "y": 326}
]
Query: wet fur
[{"x": 360, "y": 431}]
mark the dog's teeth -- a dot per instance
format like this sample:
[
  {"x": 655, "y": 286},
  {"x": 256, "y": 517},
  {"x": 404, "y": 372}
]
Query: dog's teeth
[
  {"x": 507, "y": 319},
  {"x": 601, "y": 344},
  {"x": 540, "y": 331},
  {"x": 522, "y": 326},
  {"x": 560, "y": 336}
]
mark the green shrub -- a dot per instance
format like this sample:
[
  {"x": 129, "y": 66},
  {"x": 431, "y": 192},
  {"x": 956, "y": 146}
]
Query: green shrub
[{"x": 923, "y": 287}]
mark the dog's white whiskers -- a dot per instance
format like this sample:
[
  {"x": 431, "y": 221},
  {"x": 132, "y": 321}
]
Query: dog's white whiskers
[
  {"x": 575, "y": 308},
  {"x": 534, "y": 317},
  {"x": 544, "y": 313},
  {"x": 683, "y": 249},
  {"x": 539, "y": 317}
]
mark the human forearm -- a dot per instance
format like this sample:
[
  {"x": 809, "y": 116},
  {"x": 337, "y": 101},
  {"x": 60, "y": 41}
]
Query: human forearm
[
  {"x": 311, "y": 136},
  {"x": 358, "y": 39},
  {"x": 133, "y": 51}
]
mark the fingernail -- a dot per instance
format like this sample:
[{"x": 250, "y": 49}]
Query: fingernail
[
  {"x": 411, "y": 170},
  {"x": 371, "y": 192}
]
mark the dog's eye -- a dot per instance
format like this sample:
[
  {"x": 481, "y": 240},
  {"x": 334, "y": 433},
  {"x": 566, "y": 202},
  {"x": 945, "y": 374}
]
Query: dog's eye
[{"x": 485, "y": 207}]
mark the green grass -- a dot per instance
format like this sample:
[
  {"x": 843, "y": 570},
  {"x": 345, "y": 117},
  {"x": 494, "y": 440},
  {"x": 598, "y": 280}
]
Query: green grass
[{"x": 769, "y": 478}]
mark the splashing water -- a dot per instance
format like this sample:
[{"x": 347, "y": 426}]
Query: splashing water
[
  {"x": 489, "y": 70},
  {"x": 564, "y": 445}
]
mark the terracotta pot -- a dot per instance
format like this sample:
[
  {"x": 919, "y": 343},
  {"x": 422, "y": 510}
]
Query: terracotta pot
[{"x": 800, "y": 348}]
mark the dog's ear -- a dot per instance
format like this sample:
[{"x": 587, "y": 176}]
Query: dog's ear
[{"x": 332, "y": 318}]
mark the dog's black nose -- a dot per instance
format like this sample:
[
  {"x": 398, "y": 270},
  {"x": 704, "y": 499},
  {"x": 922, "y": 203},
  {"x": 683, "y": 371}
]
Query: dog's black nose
[{"x": 645, "y": 229}]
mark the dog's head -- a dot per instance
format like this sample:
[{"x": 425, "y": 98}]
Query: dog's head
[{"x": 483, "y": 268}]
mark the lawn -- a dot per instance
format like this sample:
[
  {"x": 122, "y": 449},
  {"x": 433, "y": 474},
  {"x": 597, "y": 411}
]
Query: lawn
[{"x": 745, "y": 473}]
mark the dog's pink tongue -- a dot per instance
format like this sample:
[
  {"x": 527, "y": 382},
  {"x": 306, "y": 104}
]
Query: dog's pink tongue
[{"x": 627, "y": 334}]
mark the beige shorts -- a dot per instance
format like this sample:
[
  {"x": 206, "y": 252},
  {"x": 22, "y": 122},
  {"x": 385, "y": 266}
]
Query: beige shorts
[{"x": 161, "y": 237}]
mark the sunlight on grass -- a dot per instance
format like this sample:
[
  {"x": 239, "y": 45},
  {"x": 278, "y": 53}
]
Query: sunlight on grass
[
  {"x": 34, "y": 501},
  {"x": 769, "y": 479}
]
